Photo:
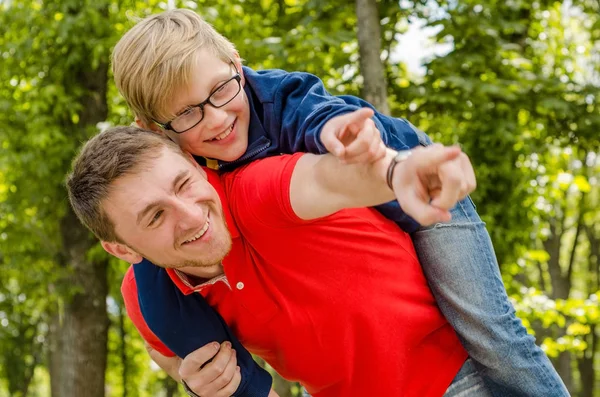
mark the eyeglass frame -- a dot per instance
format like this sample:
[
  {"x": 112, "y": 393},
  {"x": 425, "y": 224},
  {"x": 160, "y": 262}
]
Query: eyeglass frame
[{"x": 201, "y": 105}]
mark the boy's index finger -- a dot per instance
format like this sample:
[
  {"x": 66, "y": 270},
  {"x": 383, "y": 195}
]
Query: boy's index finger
[
  {"x": 357, "y": 118},
  {"x": 354, "y": 122}
]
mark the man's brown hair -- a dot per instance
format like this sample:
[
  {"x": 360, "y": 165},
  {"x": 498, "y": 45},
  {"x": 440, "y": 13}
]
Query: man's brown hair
[
  {"x": 156, "y": 58},
  {"x": 110, "y": 155}
]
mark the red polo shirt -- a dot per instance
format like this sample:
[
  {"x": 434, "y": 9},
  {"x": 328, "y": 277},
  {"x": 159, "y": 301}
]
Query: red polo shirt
[{"x": 339, "y": 304}]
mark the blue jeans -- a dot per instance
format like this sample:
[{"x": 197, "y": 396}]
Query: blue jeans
[
  {"x": 461, "y": 267},
  {"x": 467, "y": 383}
]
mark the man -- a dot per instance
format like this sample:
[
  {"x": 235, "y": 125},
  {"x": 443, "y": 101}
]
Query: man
[{"x": 330, "y": 296}]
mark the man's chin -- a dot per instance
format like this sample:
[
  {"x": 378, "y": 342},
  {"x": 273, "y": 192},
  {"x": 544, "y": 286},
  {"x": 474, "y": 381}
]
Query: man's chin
[
  {"x": 202, "y": 270},
  {"x": 203, "y": 266}
]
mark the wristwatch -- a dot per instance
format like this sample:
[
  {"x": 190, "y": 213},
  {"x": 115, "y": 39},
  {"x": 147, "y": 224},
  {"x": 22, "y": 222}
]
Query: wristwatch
[
  {"x": 400, "y": 157},
  {"x": 188, "y": 390}
]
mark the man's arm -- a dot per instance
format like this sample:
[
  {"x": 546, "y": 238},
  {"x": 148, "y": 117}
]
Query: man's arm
[{"x": 322, "y": 185}]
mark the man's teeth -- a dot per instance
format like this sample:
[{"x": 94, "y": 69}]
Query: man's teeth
[
  {"x": 223, "y": 135},
  {"x": 200, "y": 233}
]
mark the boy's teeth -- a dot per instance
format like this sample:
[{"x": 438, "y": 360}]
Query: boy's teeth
[
  {"x": 224, "y": 135},
  {"x": 200, "y": 233}
]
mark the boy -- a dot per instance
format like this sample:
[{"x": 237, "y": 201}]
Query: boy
[{"x": 183, "y": 79}]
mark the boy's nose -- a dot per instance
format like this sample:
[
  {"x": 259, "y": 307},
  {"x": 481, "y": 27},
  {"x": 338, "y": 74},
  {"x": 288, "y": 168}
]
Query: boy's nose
[{"x": 215, "y": 118}]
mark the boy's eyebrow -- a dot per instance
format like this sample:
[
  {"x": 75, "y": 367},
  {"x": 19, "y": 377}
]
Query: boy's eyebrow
[
  {"x": 219, "y": 80},
  {"x": 150, "y": 206}
]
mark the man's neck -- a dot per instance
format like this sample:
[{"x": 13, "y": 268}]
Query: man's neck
[{"x": 203, "y": 273}]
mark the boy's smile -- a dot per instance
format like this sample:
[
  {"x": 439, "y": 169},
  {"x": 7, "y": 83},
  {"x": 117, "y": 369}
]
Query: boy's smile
[{"x": 223, "y": 132}]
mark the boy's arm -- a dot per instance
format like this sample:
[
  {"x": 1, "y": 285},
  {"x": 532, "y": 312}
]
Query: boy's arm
[
  {"x": 302, "y": 108},
  {"x": 199, "y": 380},
  {"x": 186, "y": 324},
  {"x": 217, "y": 376}
]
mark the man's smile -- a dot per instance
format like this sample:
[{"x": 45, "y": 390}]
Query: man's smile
[{"x": 200, "y": 233}]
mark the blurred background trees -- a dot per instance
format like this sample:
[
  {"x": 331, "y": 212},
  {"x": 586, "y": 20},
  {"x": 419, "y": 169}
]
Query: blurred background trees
[{"x": 514, "y": 82}]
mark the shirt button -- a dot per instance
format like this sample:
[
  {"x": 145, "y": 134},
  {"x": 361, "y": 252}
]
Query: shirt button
[{"x": 239, "y": 285}]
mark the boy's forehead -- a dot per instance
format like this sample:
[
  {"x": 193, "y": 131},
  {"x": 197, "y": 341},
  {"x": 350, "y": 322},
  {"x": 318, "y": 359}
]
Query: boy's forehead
[{"x": 203, "y": 78}]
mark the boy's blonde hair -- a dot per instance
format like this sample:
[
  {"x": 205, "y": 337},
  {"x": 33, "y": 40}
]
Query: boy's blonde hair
[{"x": 157, "y": 56}]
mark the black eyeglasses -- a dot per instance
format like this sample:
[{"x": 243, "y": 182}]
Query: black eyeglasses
[{"x": 193, "y": 115}]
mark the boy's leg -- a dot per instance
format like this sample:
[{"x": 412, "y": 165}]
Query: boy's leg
[
  {"x": 468, "y": 383},
  {"x": 461, "y": 267}
]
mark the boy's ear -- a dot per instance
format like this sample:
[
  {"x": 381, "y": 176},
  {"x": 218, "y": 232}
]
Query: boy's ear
[
  {"x": 121, "y": 251},
  {"x": 151, "y": 126},
  {"x": 238, "y": 65}
]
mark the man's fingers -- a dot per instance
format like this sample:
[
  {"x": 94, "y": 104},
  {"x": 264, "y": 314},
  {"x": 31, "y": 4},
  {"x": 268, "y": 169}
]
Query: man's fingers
[
  {"x": 469, "y": 173},
  {"x": 436, "y": 154},
  {"x": 422, "y": 211},
  {"x": 196, "y": 359},
  {"x": 202, "y": 381},
  {"x": 453, "y": 185},
  {"x": 229, "y": 389},
  {"x": 223, "y": 383}
]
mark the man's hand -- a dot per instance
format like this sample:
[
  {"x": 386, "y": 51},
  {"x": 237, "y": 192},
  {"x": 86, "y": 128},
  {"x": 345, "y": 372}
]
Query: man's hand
[
  {"x": 431, "y": 181},
  {"x": 218, "y": 378},
  {"x": 353, "y": 137},
  {"x": 169, "y": 364}
]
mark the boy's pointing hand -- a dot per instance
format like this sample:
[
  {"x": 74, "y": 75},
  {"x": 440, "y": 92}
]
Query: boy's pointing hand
[{"x": 353, "y": 137}]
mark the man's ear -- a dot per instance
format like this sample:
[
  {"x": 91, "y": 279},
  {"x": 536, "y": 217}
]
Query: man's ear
[{"x": 121, "y": 251}]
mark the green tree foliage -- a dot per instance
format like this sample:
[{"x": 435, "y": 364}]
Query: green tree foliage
[{"x": 518, "y": 90}]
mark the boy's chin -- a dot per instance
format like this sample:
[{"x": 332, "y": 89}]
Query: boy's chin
[{"x": 233, "y": 153}]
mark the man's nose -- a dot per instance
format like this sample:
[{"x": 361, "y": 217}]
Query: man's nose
[{"x": 191, "y": 215}]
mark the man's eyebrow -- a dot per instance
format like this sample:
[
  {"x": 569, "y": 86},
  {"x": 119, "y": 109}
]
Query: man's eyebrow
[
  {"x": 142, "y": 214},
  {"x": 150, "y": 206}
]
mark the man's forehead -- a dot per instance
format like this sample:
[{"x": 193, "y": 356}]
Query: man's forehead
[{"x": 157, "y": 170}]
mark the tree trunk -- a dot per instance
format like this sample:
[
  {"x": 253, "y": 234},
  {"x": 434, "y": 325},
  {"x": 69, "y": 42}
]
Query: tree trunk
[
  {"x": 54, "y": 356},
  {"x": 123, "y": 348},
  {"x": 79, "y": 358},
  {"x": 586, "y": 365},
  {"x": 561, "y": 287},
  {"x": 371, "y": 67},
  {"x": 563, "y": 367}
]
